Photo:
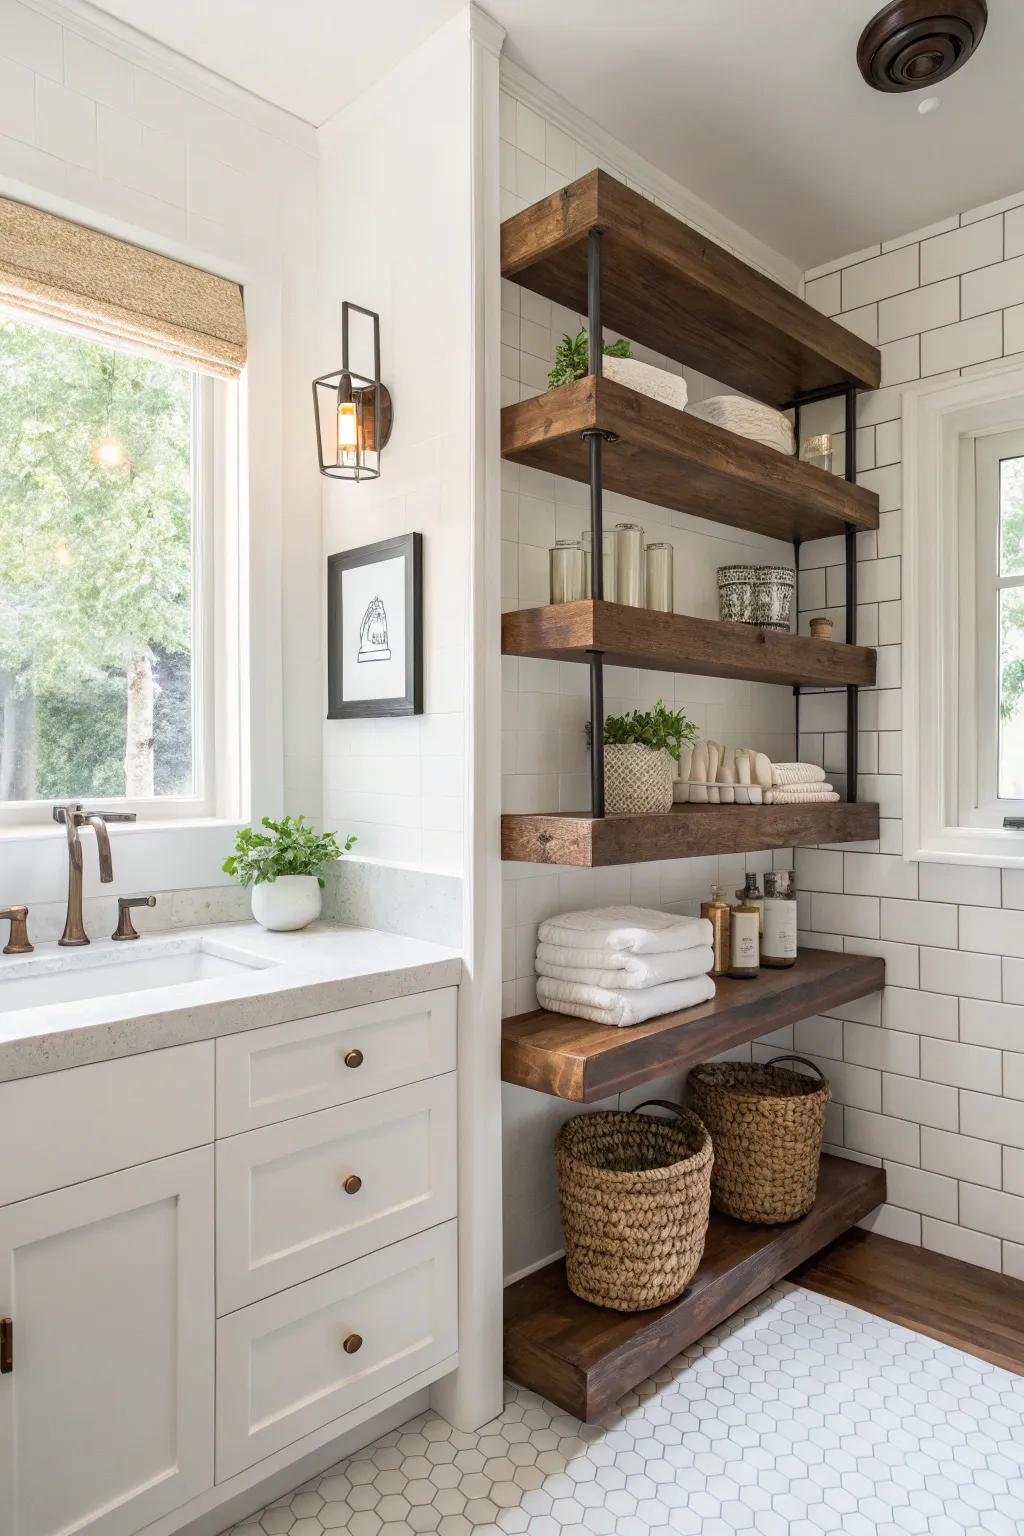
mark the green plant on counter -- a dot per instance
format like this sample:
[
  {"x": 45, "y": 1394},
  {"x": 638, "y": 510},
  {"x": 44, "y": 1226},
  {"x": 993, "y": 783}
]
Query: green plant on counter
[
  {"x": 572, "y": 359},
  {"x": 291, "y": 849},
  {"x": 659, "y": 728}
]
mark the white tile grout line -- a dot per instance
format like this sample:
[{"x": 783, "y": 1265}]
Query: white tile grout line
[{"x": 799, "y": 1416}]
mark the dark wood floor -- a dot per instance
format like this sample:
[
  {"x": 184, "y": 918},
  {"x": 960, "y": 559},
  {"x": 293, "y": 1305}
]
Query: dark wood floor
[{"x": 977, "y": 1311}]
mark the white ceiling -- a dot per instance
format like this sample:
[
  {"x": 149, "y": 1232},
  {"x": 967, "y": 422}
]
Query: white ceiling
[{"x": 755, "y": 105}]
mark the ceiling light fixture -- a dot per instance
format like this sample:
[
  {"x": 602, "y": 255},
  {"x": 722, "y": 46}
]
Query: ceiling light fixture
[
  {"x": 912, "y": 44},
  {"x": 929, "y": 104}
]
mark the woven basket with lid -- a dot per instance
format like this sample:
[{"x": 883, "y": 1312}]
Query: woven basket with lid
[
  {"x": 766, "y": 1125},
  {"x": 635, "y": 1198}
]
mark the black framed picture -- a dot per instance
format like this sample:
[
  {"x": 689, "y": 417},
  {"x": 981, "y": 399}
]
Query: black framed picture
[{"x": 375, "y": 629}]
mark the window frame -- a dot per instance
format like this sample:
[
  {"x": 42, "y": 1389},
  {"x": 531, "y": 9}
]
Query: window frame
[
  {"x": 218, "y": 657},
  {"x": 950, "y": 816}
]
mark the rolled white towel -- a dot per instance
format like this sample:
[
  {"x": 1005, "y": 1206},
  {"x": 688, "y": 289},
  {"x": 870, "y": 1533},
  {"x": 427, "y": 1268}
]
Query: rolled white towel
[
  {"x": 797, "y": 773},
  {"x": 640, "y": 930},
  {"x": 622, "y": 1008},
  {"x": 809, "y": 794},
  {"x": 638, "y": 972}
]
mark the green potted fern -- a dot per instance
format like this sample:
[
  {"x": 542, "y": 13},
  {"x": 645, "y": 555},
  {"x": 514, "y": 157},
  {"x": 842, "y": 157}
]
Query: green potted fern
[
  {"x": 572, "y": 361},
  {"x": 639, "y": 751},
  {"x": 284, "y": 867}
]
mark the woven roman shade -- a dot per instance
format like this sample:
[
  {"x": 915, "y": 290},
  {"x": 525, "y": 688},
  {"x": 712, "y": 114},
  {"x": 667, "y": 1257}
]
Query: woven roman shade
[{"x": 109, "y": 288}]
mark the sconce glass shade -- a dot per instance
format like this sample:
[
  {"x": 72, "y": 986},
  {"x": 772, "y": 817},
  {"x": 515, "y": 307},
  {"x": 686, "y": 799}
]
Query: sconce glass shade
[{"x": 353, "y": 412}]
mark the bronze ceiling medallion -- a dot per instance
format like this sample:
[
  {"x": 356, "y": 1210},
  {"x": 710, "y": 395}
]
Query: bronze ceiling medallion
[{"x": 913, "y": 44}]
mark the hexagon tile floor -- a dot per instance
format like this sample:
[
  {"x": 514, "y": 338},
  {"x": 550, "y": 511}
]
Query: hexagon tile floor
[{"x": 798, "y": 1416}]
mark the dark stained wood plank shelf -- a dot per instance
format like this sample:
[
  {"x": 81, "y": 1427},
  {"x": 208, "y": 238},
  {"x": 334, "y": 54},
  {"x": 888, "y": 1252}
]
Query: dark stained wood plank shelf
[
  {"x": 576, "y": 1059},
  {"x": 584, "y": 1358},
  {"x": 688, "y": 831},
  {"x": 671, "y": 459},
  {"x": 957, "y": 1303},
  {"x": 676, "y": 642},
  {"x": 671, "y": 288}
]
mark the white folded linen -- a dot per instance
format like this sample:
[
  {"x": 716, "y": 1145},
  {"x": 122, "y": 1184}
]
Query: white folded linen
[
  {"x": 622, "y": 1008},
  {"x": 797, "y": 773},
  {"x": 803, "y": 794},
  {"x": 747, "y": 418},
  {"x": 640, "y": 930},
  {"x": 638, "y": 972}
]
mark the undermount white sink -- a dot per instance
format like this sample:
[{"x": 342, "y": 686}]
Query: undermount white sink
[{"x": 70, "y": 976}]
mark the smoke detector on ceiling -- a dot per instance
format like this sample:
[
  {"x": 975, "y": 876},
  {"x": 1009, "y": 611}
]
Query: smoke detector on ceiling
[{"x": 913, "y": 44}]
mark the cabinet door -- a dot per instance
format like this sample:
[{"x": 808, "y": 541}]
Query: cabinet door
[{"x": 106, "y": 1419}]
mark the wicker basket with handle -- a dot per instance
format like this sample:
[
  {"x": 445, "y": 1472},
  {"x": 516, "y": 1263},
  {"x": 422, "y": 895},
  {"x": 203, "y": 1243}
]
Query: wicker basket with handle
[
  {"x": 766, "y": 1125},
  {"x": 635, "y": 1194}
]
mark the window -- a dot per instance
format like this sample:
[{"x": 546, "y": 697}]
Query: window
[
  {"x": 964, "y": 617},
  {"x": 109, "y": 598},
  {"x": 997, "y": 778}
]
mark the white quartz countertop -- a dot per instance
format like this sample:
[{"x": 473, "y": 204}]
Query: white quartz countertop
[{"x": 287, "y": 976}]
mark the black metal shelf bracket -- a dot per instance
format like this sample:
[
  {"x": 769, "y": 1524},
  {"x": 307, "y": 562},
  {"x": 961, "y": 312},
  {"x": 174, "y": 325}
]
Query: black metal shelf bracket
[{"x": 848, "y": 392}]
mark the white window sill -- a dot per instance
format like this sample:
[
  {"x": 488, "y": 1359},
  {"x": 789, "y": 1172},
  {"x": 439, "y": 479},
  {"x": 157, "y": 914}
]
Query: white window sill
[
  {"x": 972, "y": 845},
  {"x": 31, "y": 831}
]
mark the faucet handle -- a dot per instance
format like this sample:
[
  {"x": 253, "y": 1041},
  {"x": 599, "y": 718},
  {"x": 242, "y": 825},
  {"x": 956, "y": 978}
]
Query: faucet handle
[
  {"x": 17, "y": 942},
  {"x": 125, "y": 927}
]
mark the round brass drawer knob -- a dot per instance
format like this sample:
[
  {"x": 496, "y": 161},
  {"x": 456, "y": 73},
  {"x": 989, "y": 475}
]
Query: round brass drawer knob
[
  {"x": 352, "y": 1343},
  {"x": 353, "y": 1058},
  {"x": 353, "y": 1184}
]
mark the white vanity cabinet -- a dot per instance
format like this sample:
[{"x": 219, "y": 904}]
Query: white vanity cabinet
[
  {"x": 213, "y": 1253},
  {"x": 106, "y": 1419}
]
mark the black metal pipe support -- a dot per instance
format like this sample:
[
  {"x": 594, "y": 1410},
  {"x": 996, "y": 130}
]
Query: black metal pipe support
[
  {"x": 852, "y": 697},
  {"x": 595, "y": 445}
]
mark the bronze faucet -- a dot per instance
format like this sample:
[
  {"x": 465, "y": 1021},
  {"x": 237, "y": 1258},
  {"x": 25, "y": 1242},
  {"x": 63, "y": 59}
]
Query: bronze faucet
[
  {"x": 125, "y": 927},
  {"x": 18, "y": 942},
  {"x": 74, "y": 816}
]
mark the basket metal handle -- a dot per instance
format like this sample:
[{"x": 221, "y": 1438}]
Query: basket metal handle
[{"x": 804, "y": 1062}]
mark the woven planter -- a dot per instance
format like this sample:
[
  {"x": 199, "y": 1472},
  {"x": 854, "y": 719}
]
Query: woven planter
[
  {"x": 766, "y": 1124},
  {"x": 637, "y": 779},
  {"x": 635, "y": 1196}
]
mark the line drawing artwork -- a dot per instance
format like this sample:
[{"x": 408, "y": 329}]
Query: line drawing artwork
[{"x": 373, "y": 633}]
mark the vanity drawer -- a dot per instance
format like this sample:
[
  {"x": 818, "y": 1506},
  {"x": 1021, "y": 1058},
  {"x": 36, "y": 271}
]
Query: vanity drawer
[
  {"x": 283, "y": 1368},
  {"x": 65, "y": 1127},
  {"x": 301, "y": 1197},
  {"x": 285, "y": 1070}
]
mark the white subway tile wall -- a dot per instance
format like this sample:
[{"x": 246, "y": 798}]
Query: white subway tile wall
[
  {"x": 938, "y": 1095},
  {"x": 546, "y": 704}
]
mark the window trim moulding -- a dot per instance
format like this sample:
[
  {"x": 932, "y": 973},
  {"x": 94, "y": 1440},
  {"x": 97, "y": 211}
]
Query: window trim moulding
[{"x": 940, "y": 416}]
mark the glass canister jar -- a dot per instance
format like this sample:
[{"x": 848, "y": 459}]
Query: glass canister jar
[
  {"x": 629, "y": 564},
  {"x": 566, "y": 568},
  {"x": 818, "y": 451},
  {"x": 658, "y": 577}
]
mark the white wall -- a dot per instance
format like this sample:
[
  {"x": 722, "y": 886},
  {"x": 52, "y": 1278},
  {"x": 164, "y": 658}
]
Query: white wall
[
  {"x": 395, "y": 237},
  {"x": 103, "y": 126},
  {"x": 545, "y": 705},
  {"x": 929, "y": 1077}
]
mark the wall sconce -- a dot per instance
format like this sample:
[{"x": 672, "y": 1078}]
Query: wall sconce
[{"x": 353, "y": 412}]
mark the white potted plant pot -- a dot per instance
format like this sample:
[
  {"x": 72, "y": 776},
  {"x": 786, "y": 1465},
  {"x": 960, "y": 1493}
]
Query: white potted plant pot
[
  {"x": 287, "y": 903},
  {"x": 637, "y": 779}
]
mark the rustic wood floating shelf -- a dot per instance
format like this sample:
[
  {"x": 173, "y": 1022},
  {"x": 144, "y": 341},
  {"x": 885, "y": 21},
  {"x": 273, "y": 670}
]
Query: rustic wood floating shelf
[
  {"x": 585, "y": 1062},
  {"x": 687, "y": 832},
  {"x": 671, "y": 459},
  {"x": 584, "y": 1358},
  {"x": 669, "y": 287},
  {"x": 675, "y": 642}
]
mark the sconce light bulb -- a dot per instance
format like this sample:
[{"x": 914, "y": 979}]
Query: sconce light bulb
[
  {"x": 110, "y": 454},
  {"x": 348, "y": 432}
]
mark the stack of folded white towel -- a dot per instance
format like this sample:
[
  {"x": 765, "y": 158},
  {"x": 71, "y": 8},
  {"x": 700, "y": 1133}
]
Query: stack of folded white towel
[
  {"x": 622, "y": 965},
  {"x": 798, "y": 784}
]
